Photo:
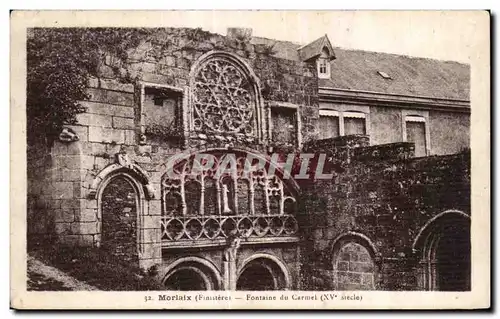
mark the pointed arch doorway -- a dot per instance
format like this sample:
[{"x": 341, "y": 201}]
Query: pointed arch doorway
[
  {"x": 262, "y": 274},
  {"x": 445, "y": 247}
]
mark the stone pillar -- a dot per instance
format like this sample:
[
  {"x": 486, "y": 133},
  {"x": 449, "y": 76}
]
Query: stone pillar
[
  {"x": 75, "y": 218},
  {"x": 150, "y": 234},
  {"x": 230, "y": 270}
]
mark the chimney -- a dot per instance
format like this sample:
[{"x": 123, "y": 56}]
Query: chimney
[{"x": 242, "y": 34}]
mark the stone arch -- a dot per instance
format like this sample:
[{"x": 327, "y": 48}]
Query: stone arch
[
  {"x": 200, "y": 272},
  {"x": 250, "y": 78},
  {"x": 354, "y": 262},
  {"x": 277, "y": 270},
  {"x": 443, "y": 249},
  {"x": 138, "y": 180},
  {"x": 136, "y": 173}
]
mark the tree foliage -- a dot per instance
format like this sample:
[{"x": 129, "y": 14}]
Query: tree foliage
[{"x": 59, "y": 63}]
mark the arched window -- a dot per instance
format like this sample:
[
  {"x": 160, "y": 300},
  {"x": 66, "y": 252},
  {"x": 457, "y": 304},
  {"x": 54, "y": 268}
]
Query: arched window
[{"x": 225, "y": 97}]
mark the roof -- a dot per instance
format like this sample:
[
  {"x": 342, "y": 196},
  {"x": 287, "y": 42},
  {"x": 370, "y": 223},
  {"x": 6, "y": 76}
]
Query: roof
[
  {"x": 359, "y": 71},
  {"x": 313, "y": 49}
]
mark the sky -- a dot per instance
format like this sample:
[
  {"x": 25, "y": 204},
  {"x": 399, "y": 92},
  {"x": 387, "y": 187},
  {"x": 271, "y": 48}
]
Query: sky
[
  {"x": 441, "y": 35},
  {"x": 444, "y": 35}
]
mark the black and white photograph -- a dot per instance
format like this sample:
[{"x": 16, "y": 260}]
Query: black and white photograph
[{"x": 225, "y": 158}]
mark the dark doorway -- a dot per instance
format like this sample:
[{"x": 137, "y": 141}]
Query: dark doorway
[
  {"x": 261, "y": 274},
  {"x": 256, "y": 277},
  {"x": 186, "y": 279},
  {"x": 452, "y": 257}
]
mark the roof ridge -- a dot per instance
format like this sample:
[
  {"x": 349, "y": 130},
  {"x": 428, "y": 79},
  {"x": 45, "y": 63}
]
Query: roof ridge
[{"x": 402, "y": 55}]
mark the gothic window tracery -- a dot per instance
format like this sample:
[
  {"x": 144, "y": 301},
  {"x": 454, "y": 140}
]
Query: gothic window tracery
[
  {"x": 224, "y": 100},
  {"x": 201, "y": 204}
]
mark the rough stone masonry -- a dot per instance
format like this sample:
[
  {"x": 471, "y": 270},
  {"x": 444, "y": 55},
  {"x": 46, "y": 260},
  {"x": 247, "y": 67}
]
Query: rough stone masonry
[{"x": 366, "y": 228}]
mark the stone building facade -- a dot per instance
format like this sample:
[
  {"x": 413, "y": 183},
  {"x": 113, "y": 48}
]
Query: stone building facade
[{"x": 385, "y": 220}]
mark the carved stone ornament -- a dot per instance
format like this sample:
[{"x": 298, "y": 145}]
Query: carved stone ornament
[
  {"x": 67, "y": 135},
  {"x": 223, "y": 99},
  {"x": 124, "y": 160},
  {"x": 142, "y": 139}
]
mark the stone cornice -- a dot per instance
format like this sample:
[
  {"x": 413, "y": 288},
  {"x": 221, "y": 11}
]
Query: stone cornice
[
  {"x": 223, "y": 242},
  {"x": 394, "y": 100}
]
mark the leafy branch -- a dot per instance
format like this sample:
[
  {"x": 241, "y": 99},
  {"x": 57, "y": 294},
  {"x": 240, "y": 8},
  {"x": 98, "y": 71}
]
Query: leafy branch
[{"x": 59, "y": 64}]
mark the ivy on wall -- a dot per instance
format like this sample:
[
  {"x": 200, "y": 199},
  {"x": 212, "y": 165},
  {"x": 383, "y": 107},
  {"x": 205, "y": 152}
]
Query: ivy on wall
[
  {"x": 61, "y": 60},
  {"x": 59, "y": 63}
]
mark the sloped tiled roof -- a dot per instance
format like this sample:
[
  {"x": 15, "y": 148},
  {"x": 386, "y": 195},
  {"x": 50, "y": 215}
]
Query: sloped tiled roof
[{"x": 358, "y": 70}]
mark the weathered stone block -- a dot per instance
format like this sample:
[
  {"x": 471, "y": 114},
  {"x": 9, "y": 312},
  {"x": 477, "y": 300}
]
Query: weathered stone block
[
  {"x": 123, "y": 123},
  {"x": 84, "y": 228},
  {"x": 91, "y": 119},
  {"x": 68, "y": 162},
  {"x": 87, "y": 162},
  {"x": 111, "y": 97},
  {"x": 100, "y": 162},
  {"x": 158, "y": 78},
  {"x": 63, "y": 216},
  {"x": 69, "y": 240},
  {"x": 143, "y": 67},
  {"x": 114, "y": 85},
  {"x": 108, "y": 109},
  {"x": 72, "y": 203},
  {"x": 67, "y": 175},
  {"x": 149, "y": 262},
  {"x": 152, "y": 235},
  {"x": 154, "y": 207},
  {"x": 62, "y": 190},
  {"x": 93, "y": 148},
  {"x": 63, "y": 228},
  {"x": 91, "y": 203},
  {"x": 129, "y": 137},
  {"x": 343, "y": 266},
  {"x": 360, "y": 266},
  {"x": 86, "y": 241},
  {"x": 367, "y": 280},
  {"x": 87, "y": 215},
  {"x": 106, "y": 135},
  {"x": 151, "y": 222}
]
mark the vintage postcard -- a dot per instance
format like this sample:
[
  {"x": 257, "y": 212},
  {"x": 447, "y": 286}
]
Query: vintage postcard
[{"x": 250, "y": 160}]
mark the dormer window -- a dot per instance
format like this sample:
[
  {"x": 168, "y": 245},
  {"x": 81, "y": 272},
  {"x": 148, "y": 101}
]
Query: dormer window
[
  {"x": 321, "y": 52},
  {"x": 324, "y": 64}
]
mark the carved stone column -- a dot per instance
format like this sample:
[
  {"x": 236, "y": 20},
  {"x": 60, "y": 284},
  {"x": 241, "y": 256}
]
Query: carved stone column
[{"x": 230, "y": 270}]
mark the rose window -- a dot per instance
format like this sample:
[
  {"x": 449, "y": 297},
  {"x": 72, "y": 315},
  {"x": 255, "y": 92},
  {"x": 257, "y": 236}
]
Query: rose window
[{"x": 223, "y": 99}]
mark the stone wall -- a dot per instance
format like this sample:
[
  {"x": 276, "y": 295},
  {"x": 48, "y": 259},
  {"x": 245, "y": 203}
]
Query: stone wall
[
  {"x": 383, "y": 195},
  {"x": 378, "y": 192},
  {"x": 39, "y": 176},
  {"x": 64, "y": 193}
]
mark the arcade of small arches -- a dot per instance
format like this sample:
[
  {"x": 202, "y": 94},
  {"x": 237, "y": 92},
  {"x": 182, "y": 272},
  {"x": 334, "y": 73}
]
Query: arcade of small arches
[
  {"x": 259, "y": 272},
  {"x": 207, "y": 206}
]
